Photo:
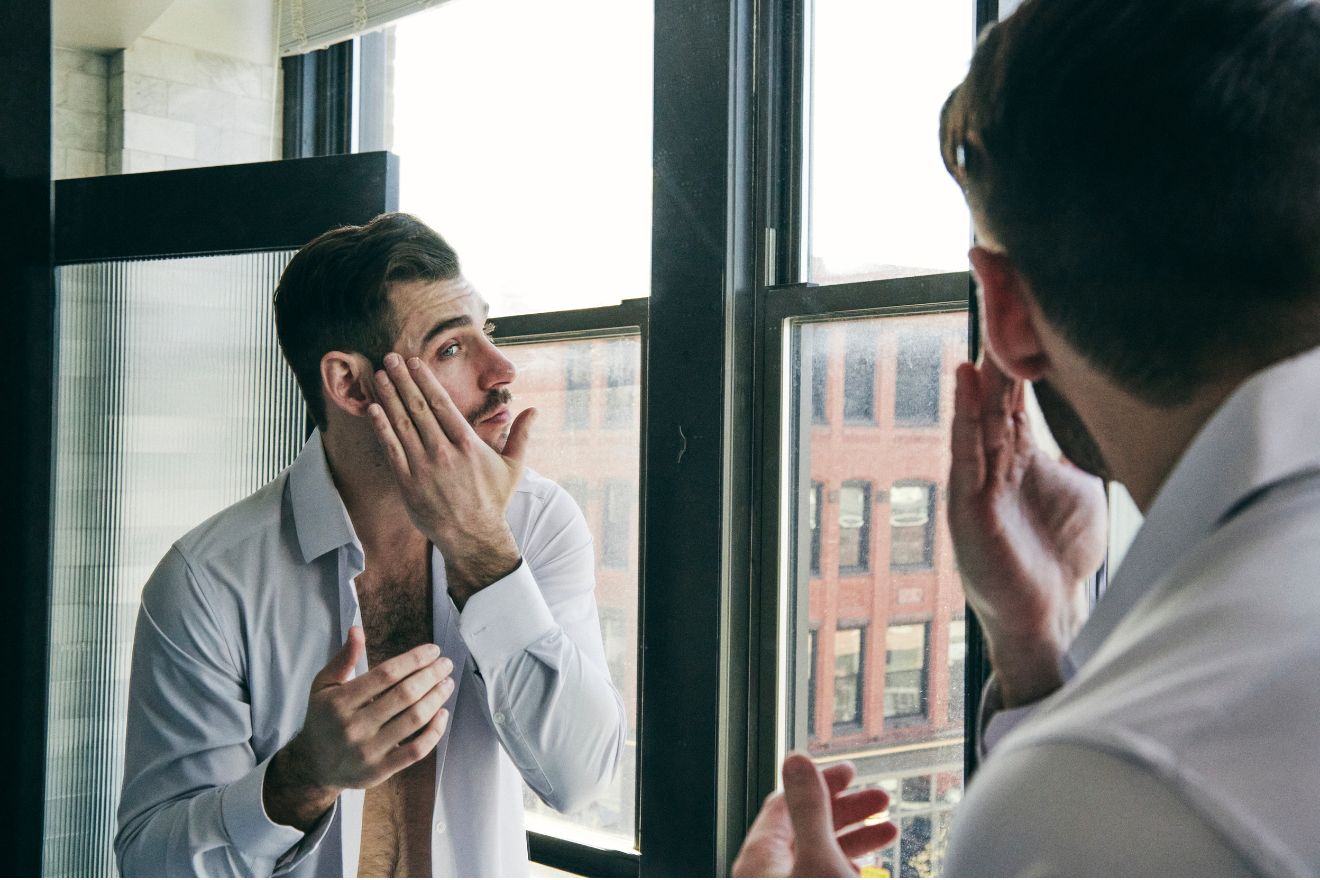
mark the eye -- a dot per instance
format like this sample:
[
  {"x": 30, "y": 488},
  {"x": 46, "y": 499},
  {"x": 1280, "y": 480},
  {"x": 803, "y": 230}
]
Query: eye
[{"x": 449, "y": 350}]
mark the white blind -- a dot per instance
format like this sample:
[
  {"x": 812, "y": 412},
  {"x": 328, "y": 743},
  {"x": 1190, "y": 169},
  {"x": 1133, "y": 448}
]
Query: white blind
[{"x": 306, "y": 25}]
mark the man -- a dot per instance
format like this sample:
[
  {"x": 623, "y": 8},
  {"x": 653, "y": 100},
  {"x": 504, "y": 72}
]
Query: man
[
  {"x": 1145, "y": 183},
  {"x": 405, "y": 610}
]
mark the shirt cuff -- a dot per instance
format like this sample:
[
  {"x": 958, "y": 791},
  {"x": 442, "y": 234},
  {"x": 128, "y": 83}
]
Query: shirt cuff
[
  {"x": 994, "y": 722},
  {"x": 254, "y": 834},
  {"x": 505, "y": 618}
]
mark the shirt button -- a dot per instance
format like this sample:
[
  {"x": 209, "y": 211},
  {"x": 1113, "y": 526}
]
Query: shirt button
[
  {"x": 439, "y": 827},
  {"x": 498, "y": 717}
]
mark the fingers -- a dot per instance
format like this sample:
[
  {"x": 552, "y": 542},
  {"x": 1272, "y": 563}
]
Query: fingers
[
  {"x": 409, "y": 753},
  {"x": 437, "y": 400},
  {"x": 341, "y": 666},
  {"x": 967, "y": 471},
  {"x": 408, "y": 693},
  {"x": 851, "y": 808},
  {"x": 867, "y": 839},
  {"x": 808, "y": 802},
  {"x": 417, "y": 715},
  {"x": 838, "y": 776},
  {"x": 515, "y": 447},
  {"x": 389, "y": 442},
  {"x": 365, "y": 688},
  {"x": 402, "y": 424}
]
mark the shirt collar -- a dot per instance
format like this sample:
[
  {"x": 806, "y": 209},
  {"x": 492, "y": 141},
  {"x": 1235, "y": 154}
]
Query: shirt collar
[
  {"x": 1262, "y": 435},
  {"x": 319, "y": 515}
]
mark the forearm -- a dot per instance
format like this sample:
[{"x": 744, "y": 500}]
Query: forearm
[{"x": 473, "y": 563}]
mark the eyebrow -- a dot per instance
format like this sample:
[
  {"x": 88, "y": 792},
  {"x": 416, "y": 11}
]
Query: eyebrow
[{"x": 451, "y": 323}]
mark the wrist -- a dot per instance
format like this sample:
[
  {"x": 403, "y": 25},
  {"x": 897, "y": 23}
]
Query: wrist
[
  {"x": 471, "y": 565},
  {"x": 1027, "y": 671},
  {"x": 289, "y": 795}
]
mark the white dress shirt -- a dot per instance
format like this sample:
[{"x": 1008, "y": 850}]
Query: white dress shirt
[
  {"x": 244, "y": 611},
  {"x": 1185, "y": 740}
]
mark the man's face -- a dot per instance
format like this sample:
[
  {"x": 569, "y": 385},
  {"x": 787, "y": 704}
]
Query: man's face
[
  {"x": 444, "y": 324},
  {"x": 1074, "y": 440}
]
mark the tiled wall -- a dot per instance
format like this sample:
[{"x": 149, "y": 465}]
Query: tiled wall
[
  {"x": 157, "y": 106},
  {"x": 81, "y": 102},
  {"x": 176, "y": 107}
]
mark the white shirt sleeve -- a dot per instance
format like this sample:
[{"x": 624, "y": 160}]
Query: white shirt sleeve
[
  {"x": 1064, "y": 810},
  {"x": 192, "y": 797},
  {"x": 535, "y": 638}
]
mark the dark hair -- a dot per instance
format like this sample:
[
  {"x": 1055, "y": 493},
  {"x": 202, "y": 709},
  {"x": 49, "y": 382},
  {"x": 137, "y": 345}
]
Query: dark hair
[
  {"x": 1152, "y": 167},
  {"x": 334, "y": 294}
]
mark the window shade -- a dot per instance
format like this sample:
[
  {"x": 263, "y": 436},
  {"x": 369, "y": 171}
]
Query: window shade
[{"x": 306, "y": 25}]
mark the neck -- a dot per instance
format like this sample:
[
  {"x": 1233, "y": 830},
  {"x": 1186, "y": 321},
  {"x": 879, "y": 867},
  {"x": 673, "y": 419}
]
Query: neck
[
  {"x": 370, "y": 494},
  {"x": 1143, "y": 443}
]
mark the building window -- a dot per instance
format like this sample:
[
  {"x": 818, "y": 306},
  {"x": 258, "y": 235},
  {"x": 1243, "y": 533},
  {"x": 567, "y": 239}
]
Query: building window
[
  {"x": 849, "y": 663},
  {"x": 813, "y": 522},
  {"x": 854, "y": 527},
  {"x": 905, "y": 671},
  {"x": 859, "y": 375},
  {"x": 957, "y": 669},
  {"x": 578, "y": 489},
  {"x": 917, "y": 386},
  {"x": 577, "y": 388},
  {"x": 811, "y": 682},
  {"x": 621, "y": 385},
  {"x": 820, "y": 371},
  {"x": 911, "y": 525},
  {"x": 616, "y": 524}
]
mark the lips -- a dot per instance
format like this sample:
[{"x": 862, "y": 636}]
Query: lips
[{"x": 499, "y": 417}]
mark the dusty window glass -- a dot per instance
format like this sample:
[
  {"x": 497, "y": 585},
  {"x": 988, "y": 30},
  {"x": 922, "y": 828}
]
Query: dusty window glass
[
  {"x": 524, "y": 138},
  {"x": 917, "y": 384},
  {"x": 600, "y": 470},
  {"x": 905, "y": 670},
  {"x": 881, "y": 204},
  {"x": 911, "y": 525},
  {"x": 849, "y": 647},
  {"x": 910, "y": 705},
  {"x": 859, "y": 377},
  {"x": 620, "y": 386},
  {"x": 854, "y": 527}
]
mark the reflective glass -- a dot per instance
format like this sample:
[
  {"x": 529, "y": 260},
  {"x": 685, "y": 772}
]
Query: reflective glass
[
  {"x": 595, "y": 455},
  {"x": 881, "y": 204},
  {"x": 877, "y": 628},
  {"x": 524, "y": 135}
]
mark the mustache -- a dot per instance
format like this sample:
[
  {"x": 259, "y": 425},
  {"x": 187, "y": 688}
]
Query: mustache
[{"x": 496, "y": 398}]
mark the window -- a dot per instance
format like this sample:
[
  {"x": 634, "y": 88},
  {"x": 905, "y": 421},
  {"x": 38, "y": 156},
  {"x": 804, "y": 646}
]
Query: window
[
  {"x": 854, "y": 527},
  {"x": 812, "y": 640},
  {"x": 911, "y": 525},
  {"x": 577, "y": 389},
  {"x": 905, "y": 671},
  {"x": 849, "y": 677},
  {"x": 577, "y": 487},
  {"x": 620, "y": 386},
  {"x": 859, "y": 376},
  {"x": 820, "y": 370},
  {"x": 957, "y": 669},
  {"x": 616, "y": 523},
  {"x": 813, "y": 522},
  {"x": 917, "y": 383}
]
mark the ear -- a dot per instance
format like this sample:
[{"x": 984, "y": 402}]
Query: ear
[
  {"x": 347, "y": 383},
  {"x": 1010, "y": 321}
]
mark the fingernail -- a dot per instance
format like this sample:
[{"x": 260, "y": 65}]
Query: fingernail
[
  {"x": 446, "y": 666},
  {"x": 431, "y": 651},
  {"x": 414, "y": 363},
  {"x": 392, "y": 359}
]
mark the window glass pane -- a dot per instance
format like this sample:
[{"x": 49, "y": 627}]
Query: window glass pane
[
  {"x": 524, "y": 138},
  {"x": 170, "y": 407},
  {"x": 881, "y": 203},
  {"x": 854, "y": 527},
  {"x": 600, "y": 470},
  {"x": 859, "y": 376},
  {"x": 917, "y": 385},
  {"x": 890, "y": 633}
]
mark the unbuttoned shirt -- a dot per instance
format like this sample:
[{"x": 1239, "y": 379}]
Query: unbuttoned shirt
[
  {"x": 245, "y": 610},
  {"x": 1186, "y": 736}
]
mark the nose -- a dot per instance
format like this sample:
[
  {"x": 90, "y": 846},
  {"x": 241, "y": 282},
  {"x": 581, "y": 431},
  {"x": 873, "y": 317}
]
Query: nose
[{"x": 498, "y": 369}]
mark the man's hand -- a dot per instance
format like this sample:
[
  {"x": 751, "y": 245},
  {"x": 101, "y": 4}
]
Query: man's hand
[
  {"x": 797, "y": 834},
  {"x": 1027, "y": 531},
  {"x": 457, "y": 488},
  {"x": 358, "y": 732}
]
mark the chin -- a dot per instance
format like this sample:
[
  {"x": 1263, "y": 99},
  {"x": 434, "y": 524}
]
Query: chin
[{"x": 494, "y": 437}]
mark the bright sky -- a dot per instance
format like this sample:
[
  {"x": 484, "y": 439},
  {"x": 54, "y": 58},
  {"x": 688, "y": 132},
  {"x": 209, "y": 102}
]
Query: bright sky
[{"x": 524, "y": 128}]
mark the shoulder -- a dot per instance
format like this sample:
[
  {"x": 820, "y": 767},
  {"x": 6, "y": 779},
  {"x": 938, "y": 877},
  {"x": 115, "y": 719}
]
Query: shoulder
[
  {"x": 256, "y": 517},
  {"x": 1070, "y": 809}
]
